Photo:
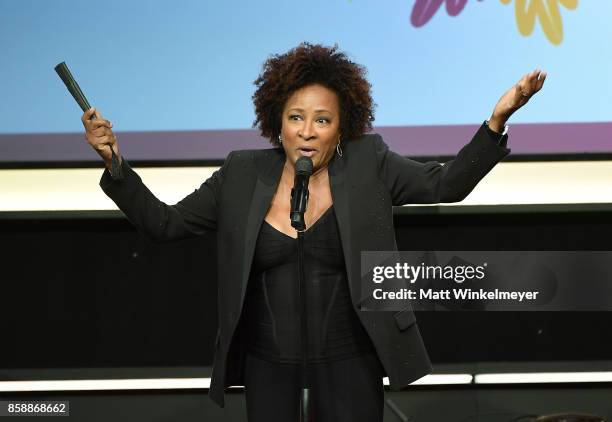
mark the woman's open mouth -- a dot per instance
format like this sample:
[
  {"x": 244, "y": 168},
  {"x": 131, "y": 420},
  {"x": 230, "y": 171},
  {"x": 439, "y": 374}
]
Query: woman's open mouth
[{"x": 307, "y": 152}]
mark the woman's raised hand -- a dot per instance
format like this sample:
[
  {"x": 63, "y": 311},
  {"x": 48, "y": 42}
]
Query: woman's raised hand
[
  {"x": 99, "y": 134},
  {"x": 515, "y": 98}
]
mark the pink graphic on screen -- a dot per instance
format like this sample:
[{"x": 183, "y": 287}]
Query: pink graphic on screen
[{"x": 424, "y": 10}]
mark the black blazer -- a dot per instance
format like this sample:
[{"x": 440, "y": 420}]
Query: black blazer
[{"x": 365, "y": 183}]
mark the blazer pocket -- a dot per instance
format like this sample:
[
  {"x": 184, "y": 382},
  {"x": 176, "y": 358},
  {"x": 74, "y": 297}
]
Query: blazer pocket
[{"x": 404, "y": 318}]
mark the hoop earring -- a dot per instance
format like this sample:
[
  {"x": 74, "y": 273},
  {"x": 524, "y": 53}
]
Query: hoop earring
[
  {"x": 338, "y": 149},
  {"x": 280, "y": 139}
]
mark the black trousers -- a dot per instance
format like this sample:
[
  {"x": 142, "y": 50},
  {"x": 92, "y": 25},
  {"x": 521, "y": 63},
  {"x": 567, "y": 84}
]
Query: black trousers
[{"x": 344, "y": 390}]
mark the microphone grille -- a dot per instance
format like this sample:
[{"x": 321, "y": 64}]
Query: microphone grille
[{"x": 303, "y": 166}]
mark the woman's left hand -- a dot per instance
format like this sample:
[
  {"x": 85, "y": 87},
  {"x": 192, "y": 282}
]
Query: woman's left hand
[{"x": 515, "y": 98}]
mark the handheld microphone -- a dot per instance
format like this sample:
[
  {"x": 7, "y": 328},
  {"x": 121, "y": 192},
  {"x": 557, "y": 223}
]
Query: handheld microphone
[
  {"x": 75, "y": 90},
  {"x": 72, "y": 85},
  {"x": 299, "y": 193}
]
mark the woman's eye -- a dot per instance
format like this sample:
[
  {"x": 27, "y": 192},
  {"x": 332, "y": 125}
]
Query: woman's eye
[{"x": 297, "y": 116}]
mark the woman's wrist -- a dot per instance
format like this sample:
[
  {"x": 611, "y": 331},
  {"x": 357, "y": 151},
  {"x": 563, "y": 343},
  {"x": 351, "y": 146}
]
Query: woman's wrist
[
  {"x": 109, "y": 163},
  {"x": 497, "y": 124}
]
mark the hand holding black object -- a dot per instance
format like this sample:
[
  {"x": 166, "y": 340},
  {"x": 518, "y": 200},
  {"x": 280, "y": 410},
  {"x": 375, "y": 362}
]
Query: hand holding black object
[
  {"x": 99, "y": 134},
  {"x": 94, "y": 134}
]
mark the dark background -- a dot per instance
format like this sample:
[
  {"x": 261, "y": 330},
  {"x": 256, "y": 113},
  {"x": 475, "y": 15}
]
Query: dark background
[{"x": 84, "y": 289}]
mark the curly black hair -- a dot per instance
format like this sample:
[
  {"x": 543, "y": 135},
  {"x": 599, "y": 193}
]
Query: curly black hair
[{"x": 308, "y": 64}]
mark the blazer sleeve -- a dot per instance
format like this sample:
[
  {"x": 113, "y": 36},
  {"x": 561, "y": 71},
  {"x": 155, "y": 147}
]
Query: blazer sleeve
[
  {"x": 193, "y": 215},
  {"x": 410, "y": 181}
]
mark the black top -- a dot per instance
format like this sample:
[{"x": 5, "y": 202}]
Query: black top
[{"x": 334, "y": 329}]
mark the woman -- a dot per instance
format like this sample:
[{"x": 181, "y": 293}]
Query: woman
[{"x": 311, "y": 101}]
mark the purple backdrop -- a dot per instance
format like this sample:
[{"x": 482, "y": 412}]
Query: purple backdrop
[{"x": 421, "y": 141}]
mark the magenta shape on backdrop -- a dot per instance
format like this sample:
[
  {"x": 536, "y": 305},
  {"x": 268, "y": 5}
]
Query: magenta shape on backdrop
[{"x": 424, "y": 10}]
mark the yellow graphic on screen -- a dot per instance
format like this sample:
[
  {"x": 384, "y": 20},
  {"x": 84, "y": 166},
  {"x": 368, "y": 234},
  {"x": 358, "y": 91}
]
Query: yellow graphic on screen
[{"x": 547, "y": 11}]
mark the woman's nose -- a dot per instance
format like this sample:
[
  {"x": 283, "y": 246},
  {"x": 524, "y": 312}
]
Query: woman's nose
[{"x": 307, "y": 130}]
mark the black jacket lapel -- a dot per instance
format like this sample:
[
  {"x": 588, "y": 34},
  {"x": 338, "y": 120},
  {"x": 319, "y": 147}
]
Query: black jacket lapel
[
  {"x": 269, "y": 168},
  {"x": 339, "y": 190}
]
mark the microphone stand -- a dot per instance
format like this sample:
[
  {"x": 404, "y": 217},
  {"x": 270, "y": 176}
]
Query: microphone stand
[
  {"x": 305, "y": 404},
  {"x": 299, "y": 200}
]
